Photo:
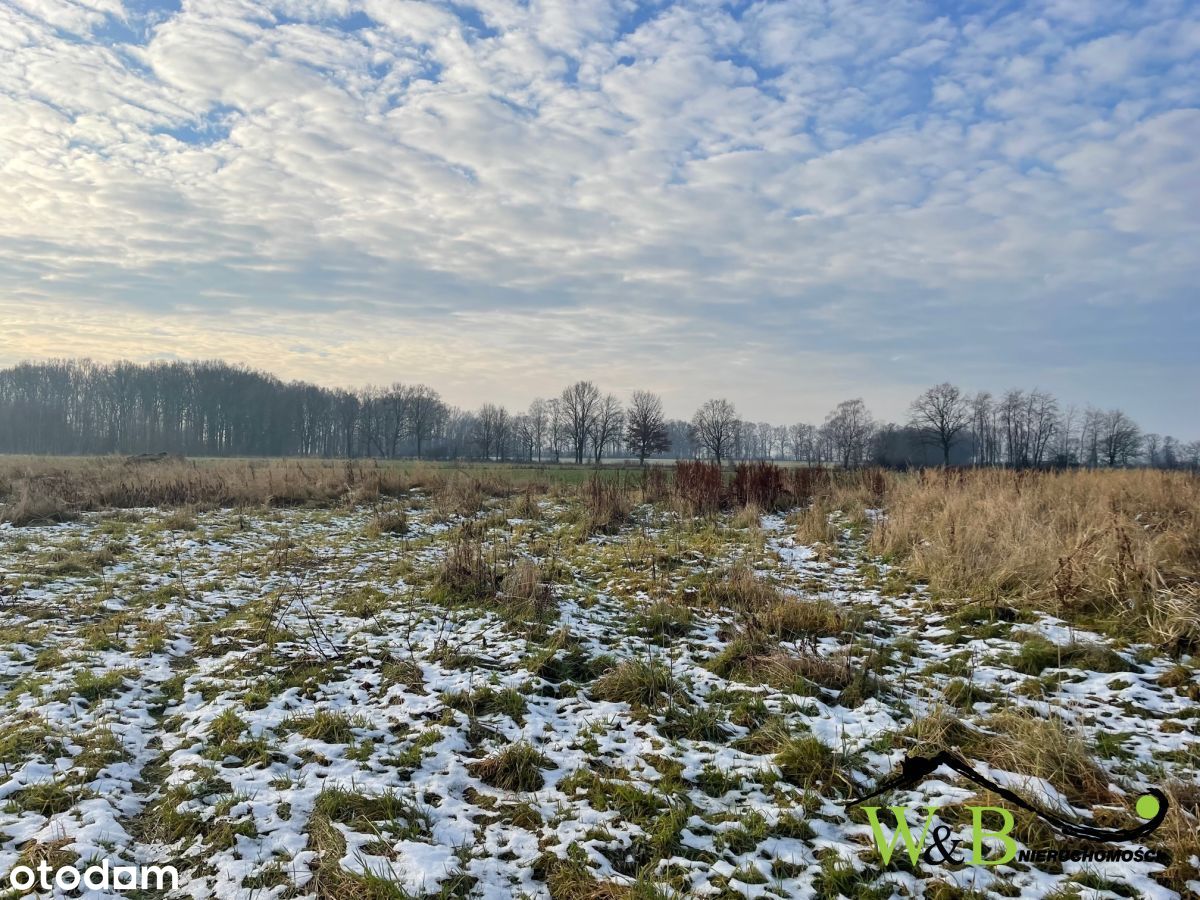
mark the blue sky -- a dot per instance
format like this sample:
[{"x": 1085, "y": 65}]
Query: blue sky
[{"x": 784, "y": 203}]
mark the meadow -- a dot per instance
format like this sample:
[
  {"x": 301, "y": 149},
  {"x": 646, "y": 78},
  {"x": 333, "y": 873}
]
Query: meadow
[{"x": 352, "y": 679}]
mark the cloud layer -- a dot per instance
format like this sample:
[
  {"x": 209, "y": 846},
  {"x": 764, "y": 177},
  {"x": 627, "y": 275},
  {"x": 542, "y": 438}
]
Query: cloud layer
[{"x": 843, "y": 197}]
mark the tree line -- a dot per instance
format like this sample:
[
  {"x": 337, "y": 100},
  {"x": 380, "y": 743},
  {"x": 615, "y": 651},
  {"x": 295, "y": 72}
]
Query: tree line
[{"x": 213, "y": 408}]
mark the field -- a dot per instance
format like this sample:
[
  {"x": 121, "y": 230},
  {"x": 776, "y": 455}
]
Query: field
[{"x": 353, "y": 680}]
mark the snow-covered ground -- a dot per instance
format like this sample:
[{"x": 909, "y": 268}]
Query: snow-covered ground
[{"x": 279, "y": 704}]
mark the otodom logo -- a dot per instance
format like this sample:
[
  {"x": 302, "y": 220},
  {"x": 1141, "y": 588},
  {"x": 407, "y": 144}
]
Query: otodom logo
[{"x": 937, "y": 843}]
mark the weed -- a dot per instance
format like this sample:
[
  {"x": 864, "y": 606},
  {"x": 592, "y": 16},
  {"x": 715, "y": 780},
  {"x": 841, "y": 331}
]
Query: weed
[
  {"x": 518, "y": 767},
  {"x": 639, "y": 682}
]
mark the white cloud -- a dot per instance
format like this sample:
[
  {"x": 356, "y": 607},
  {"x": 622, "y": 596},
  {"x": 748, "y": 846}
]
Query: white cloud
[{"x": 786, "y": 173}]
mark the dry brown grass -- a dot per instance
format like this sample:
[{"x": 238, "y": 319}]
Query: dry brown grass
[
  {"x": 797, "y": 619},
  {"x": 388, "y": 521},
  {"x": 1027, "y": 743},
  {"x": 36, "y": 503},
  {"x": 470, "y": 573},
  {"x": 748, "y": 516},
  {"x": 1022, "y": 742},
  {"x": 606, "y": 504},
  {"x": 1179, "y": 834},
  {"x": 759, "y": 484},
  {"x": 813, "y": 526},
  {"x": 456, "y": 495},
  {"x": 739, "y": 588},
  {"x": 526, "y": 593},
  {"x": 698, "y": 488},
  {"x": 38, "y": 489},
  {"x": 516, "y": 589},
  {"x": 527, "y": 505},
  {"x": 1121, "y": 545}
]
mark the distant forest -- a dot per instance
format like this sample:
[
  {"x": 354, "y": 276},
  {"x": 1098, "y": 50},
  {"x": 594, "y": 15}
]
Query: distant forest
[{"x": 217, "y": 409}]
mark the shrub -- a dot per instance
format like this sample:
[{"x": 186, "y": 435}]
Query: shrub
[
  {"x": 699, "y": 487},
  {"x": 740, "y": 589},
  {"x": 468, "y": 574},
  {"x": 663, "y": 620},
  {"x": 515, "y": 768},
  {"x": 1030, "y": 744},
  {"x": 37, "y": 503},
  {"x": 796, "y": 619},
  {"x": 639, "y": 683},
  {"x": 805, "y": 481},
  {"x": 654, "y": 484},
  {"x": 606, "y": 505},
  {"x": 523, "y": 592},
  {"x": 805, "y": 761},
  {"x": 57, "y": 489},
  {"x": 759, "y": 484},
  {"x": 392, "y": 521},
  {"x": 1083, "y": 543}
]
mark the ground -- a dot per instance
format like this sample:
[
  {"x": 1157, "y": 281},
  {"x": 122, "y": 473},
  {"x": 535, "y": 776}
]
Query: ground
[{"x": 399, "y": 700}]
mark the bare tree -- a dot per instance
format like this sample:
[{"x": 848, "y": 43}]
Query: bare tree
[
  {"x": 682, "y": 436},
  {"x": 1190, "y": 455},
  {"x": 983, "y": 424},
  {"x": 558, "y": 427},
  {"x": 395, "y": 416},
  {"x": 214, "y": 408},
  {"x": 580, "y": 404},
  {"x": 940, "y": 415},
  {"x": 348, "y": 408},
  {"x": 523, "y": 436},
  {"x": 425, "y": 413},
  {"x": 1170, "y": 452},
  {"x": 1150, "y": 444},
  {"x": 716, "y": 426},
  {"x": 802, "y": 439},
  {"x": 1066, "y": 438},
  {"x": 492, "y": 426},
  {"x": 1089, "y": 437},
  {"x": 606, "y": 424},
  {"x": 539, "y": 423},
  {"x": 849, "y": 428},
  {"x": 646, "y": 426},
  {"x": 1120, "y": 438},
  {"x": 373, "y": 421},
  {"x": 1042, "y": 416}
]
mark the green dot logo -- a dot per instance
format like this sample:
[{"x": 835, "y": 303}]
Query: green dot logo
[{"x": 1147, "y": 806}]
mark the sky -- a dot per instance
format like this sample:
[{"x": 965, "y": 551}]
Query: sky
[{"x": 784, "y": 203}]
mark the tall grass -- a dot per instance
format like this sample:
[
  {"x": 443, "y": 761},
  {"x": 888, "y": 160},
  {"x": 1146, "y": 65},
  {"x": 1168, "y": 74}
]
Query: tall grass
[
  {"x": 51, "y": 489},
  {"x": 760, "y": 484},
  {"x": 39, "y": 490},
  {"x": 1121, "y": 547},
  {"x": 699, "y": 488},
  {"x": 606, "y": 504}
]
